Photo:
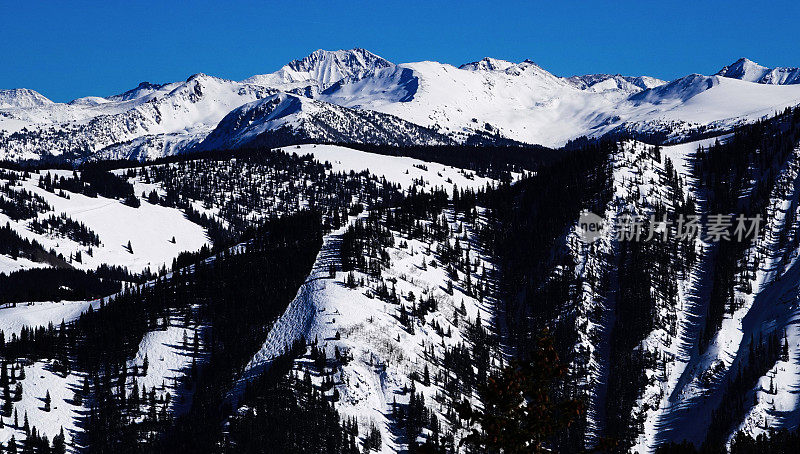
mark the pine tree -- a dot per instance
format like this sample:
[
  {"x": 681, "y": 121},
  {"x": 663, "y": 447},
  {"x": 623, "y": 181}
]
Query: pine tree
[
  {"x": 7, "y": 402},
  {"x": 519, "y": 415},
  {"x": 59, "y": 443},
  {"x": 47, "y": 401},
  {"x": 12, "y": 446}
]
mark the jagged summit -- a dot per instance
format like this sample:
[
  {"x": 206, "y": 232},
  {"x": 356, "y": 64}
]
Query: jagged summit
[
  {"x": 519, "y": 101},
  {"x": 323, "y": 68},
  {"x": 285, "y": 118},
  {"x": 355, "y": 58},
  {"x": 605, "y": 82},
  {"x": 750, "y": 71},
  {"x": 487, "y": 64}
]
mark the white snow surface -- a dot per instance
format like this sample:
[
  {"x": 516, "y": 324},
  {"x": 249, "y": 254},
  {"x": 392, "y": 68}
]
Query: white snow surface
[
  {"x": 39, "y": 379},
  {"x": 751, "y": 71},
  {"x": 520, "y": 101},
  {"x": 384, "y": 353},
  {"x": 321, "y": 69},
  {"x": 149, "y": 228},
  {"x": 32, "y": 315},
  {"x": 396, "y": 169},
  {"x": 527, "y": 103},
  {"x": 22, "y": 97}
]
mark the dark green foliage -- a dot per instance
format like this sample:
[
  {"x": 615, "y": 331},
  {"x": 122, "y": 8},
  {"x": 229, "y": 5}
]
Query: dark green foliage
[
  {"x": 530, "y": 219},
  {"x": 726, "y": 172},
  {"x": 93, "y": 181},
  {"x": 18, "y": 203},
  {"x": 761, "y": 356},
  {"x": 63, "y": 225},
  {"x": 15, "y": 246},
  {"x": 288, "y": 415},
  {"x": 56, "y": 284},
  {"x": 521, "y": 410}
]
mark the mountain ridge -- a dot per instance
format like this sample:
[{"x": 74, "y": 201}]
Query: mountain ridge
[
  {"x": 748, "y": 70},
  {"x": 520, "y": 102}
]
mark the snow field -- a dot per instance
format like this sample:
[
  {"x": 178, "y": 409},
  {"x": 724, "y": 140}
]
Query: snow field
[
  {"x": 401, "y": 170},
  {"x": 149, "y": 229},
  {"x": 383, "y": 352}
]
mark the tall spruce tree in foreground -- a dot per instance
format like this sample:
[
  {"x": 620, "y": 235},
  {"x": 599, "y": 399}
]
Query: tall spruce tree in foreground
[{"x": 520, "y": 412}]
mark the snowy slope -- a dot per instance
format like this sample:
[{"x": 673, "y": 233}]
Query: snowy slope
[
  {"x": 748, "y": 70},
  {"x": 14, "y": 318},
  {"x": 287, "y": 118},
  {"x": 22, "y": 97},
  {"x": 396, "y": 169},
  {"x": 384, "y": 352},
  {"x": 39, "y": 380},
  {"x": 9, "y": 265},
  {"x": 684, "y": 386},
  {"x": 697, "y": 103},
  {"x": 518, "y": 101},
  {"x": 321, "y": 69},
  {"x": 149, "y": 228},
  {"x": 524, "y": 102}
]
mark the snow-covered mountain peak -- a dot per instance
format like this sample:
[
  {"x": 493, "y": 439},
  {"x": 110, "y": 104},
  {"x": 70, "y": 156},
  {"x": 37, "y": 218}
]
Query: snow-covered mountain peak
[
  {"x": 201, "y": 77},
  {"x": 353, "y": 59},
  {"x": 744, "y": 69},
  {"x": 22, "y": 97},
  {"x": 750, "y": 71},
  {"x": 681, "y": 89},
  {"x": 323, "y": 68},
  {"x": 487, "y": 64},
  {"x": 530, "y": 69},
  {"x": 525, "y": 65},
  {"x": 285, "y": 117},
  {"x": 612, "y": 82},
  {"x": 517, "y": 101},
  {"x": 88, "y": 101},
  {"x": 143, "y": 89}
]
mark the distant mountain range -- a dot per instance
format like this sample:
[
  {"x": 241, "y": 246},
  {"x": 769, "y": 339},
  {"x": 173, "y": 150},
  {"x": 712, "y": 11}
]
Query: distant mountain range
[{"x": 354, "y": 96}]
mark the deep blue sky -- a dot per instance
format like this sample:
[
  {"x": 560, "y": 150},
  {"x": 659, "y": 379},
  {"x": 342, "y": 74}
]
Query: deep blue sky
[{"x": 70, "y": 49}]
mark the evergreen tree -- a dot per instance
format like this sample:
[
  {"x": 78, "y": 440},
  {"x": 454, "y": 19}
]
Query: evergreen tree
[
  {"x": 47, "y": 401},
  {"x": 519, "y": 415}
]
